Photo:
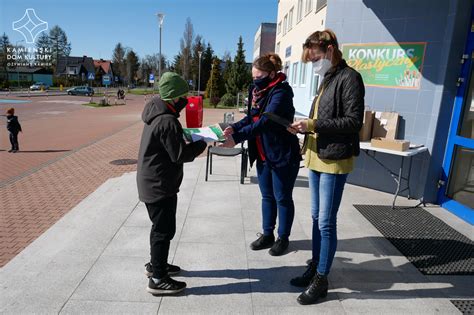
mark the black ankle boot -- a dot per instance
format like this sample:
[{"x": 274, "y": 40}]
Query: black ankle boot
[
  {"x": 306, "y": 278},
  {"x": 263, "y": 241},
  {"x": 279, "y": 247},
  {"x": 317, "y": 289}
]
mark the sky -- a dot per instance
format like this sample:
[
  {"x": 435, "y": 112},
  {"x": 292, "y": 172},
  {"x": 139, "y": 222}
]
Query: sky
[{"x": 95, "y": 27}]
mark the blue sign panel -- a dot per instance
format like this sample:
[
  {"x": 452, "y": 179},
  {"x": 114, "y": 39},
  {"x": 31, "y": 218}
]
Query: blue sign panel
[{"x": 106, "y": 79}]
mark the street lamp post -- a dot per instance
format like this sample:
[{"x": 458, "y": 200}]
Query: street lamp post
[
  {"x": 161, "y": 17},
  {"x": 17, "y": 70},
  {"x": 210, "y": 88},
  {"x": 199, "y": 76}
]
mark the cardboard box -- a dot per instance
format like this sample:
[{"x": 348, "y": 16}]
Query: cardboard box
[
  {"x": 365, "y": 133},
  {"x": 390, "y": 144},
  {"x": 385, "y": 125}
]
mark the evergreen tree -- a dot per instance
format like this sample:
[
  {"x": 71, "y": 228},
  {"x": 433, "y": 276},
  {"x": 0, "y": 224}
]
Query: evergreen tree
[
  {"x": 227, "y": 67},
  {"x": 43, "y": 44},
  {"x": 176, "y": 66},
  {"x": 206, "y": 63},
  {"x": 132, "y": 65},
  {"x": 60, "y": 47},
  {"x": 213, "y": 89},
  {"x": 118, "y": 61},
  {"x": 4, "y": 44},
  {"x": 239, "y": 75}
]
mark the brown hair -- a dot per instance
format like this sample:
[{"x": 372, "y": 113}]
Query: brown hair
[
  {"x": 11, "y": 111},
  {"x": 322, "y": 40},
  {"x": 268, "y": 63}
]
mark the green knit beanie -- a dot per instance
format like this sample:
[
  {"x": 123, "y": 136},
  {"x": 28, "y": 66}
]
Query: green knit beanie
[{"x": 172, "y": 86}]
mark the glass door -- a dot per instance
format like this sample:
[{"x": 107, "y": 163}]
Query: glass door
[{"x": 457, "y": 189}]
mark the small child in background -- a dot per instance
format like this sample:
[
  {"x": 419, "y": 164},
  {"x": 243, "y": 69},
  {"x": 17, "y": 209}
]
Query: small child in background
[{"x": 13, "y": 127}]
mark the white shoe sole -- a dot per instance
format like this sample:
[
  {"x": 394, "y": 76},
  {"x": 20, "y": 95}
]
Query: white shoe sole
[{"x": 163, "y": 292}]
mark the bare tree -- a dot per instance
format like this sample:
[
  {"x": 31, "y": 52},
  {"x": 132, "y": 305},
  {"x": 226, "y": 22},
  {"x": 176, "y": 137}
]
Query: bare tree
[{"x": 186, "y": 47}]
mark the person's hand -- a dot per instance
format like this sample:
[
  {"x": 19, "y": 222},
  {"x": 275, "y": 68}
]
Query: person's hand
[
  {"x": 300, "y": 126},
  {"x": 228, "y": 132},
  {"x": 229, "y": 143},
  {"x": 292, "y": 130}
]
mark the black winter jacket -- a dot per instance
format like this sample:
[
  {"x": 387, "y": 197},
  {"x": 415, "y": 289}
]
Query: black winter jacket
[
  {"x": 340, "y": 113},
  {"x": 281, "y": 148},
  {"x": 162, "y": 153},
  {"x": 13, "y": 125}
]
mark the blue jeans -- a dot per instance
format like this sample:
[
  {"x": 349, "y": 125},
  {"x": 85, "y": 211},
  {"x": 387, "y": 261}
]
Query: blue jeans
[
  {"x": 326, "y": 194},
  {"x": 276, "y": 186}
]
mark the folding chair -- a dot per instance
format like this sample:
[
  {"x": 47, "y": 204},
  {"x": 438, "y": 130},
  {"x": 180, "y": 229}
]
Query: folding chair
[{"x": 219, "y": 151}]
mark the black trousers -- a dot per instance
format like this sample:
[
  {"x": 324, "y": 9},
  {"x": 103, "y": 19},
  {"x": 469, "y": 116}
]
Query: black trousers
[
  {"x": 14, "y": 140},
  {"x": 163, "y": 217}
]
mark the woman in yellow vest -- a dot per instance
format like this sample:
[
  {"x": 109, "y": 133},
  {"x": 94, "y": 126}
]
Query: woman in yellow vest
[{"x": 329, "y": 148}]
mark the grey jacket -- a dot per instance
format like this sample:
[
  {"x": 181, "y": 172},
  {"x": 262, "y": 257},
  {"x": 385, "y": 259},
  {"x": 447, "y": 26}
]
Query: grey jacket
[{"x": 162, "y": 152}]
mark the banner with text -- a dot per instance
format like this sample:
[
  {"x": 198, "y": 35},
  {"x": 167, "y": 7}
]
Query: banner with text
[{"x": 392, "y": 65}]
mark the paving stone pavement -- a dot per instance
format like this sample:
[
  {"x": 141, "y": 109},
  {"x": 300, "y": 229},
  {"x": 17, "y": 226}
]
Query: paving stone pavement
[
  {"x": 37, "y": 188},
  {"x": 91, "y": 260}
]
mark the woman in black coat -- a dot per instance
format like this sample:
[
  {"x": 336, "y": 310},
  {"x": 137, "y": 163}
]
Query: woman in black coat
[{"x": 330, "y": 151}]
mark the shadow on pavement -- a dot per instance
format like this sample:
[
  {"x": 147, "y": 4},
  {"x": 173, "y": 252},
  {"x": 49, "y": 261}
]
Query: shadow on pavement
[
  {"x": 301, "y": 181},
  {"x": 373, "y": 279}
]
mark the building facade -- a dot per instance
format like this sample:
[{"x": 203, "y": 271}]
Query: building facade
[
  {"x": 297, "y": 19},
  {"x": 264, "y": 40},
  {"x": 431, "y": 87}
]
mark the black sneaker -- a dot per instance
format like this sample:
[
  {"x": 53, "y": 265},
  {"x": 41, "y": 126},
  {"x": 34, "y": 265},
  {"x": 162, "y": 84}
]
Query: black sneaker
[
  {"x": 306, "y": 278},
  {"x": 10, "y": 151},
  {"x": 279, "y": 247},
  {"x": 165, "y": 286},
  {"x": 262, "y": 242},
  {"x": 172, "y": 269}
]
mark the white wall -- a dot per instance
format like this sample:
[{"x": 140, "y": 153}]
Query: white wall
[{"x": 310, "y": 22}]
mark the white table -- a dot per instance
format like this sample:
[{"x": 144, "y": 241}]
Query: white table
[{"x": 398, "y": 178}]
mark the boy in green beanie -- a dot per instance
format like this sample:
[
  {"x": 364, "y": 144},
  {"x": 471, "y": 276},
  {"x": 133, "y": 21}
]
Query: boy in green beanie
[{"x": 160, "y": 173}]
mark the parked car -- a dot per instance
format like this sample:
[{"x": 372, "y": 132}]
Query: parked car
[
  {"x": 39, "y": 86},
  {"x": 81, "y": 90},
  {"x": 131, "y": 86}
]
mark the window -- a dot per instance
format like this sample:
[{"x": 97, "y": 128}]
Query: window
[
  {"x": 285, "y": 23},
  {"x": 279, "y": 28},
  {"x": 299, "y": 11},
  {"x": 314, "y": 85},
  {"x": 277, "y": 48},
  {"x": 290, "y": 19},
  {"x": 294, "y": 74},
  {"x": 303, "y": 74},
  {"x": 286, "y": 68},
  {"x": 309, "y": 6},
  {"x": 256, "y": 44},
  {"x": 320, "y": 4}
]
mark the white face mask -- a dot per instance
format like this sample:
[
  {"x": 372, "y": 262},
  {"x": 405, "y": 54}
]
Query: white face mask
[{"x": 322, "y": 66}]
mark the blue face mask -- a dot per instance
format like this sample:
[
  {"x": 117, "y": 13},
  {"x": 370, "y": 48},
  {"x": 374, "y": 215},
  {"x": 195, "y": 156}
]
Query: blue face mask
[{"x": 262, "y": 82}]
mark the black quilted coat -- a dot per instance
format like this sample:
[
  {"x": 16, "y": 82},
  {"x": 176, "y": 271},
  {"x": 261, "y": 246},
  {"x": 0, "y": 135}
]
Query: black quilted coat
[{"x": 340, "y": 113}]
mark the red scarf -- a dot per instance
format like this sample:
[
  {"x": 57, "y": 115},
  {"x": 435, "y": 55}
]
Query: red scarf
[
  {"x": 258, "y": 94},
  {"x": 171, "y": 107}
]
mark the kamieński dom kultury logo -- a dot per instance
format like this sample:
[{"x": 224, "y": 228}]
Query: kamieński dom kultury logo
[{"x": 30, "y": 53}]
